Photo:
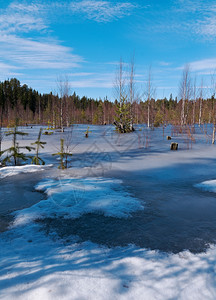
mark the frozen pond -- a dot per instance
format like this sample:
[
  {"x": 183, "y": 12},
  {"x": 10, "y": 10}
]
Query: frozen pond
[{"x": 176, "y": 215}]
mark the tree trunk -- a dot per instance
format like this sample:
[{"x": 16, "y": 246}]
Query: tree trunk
[
  {"x": 200, "y": 112},
  {"x": 213, "y": 134}
]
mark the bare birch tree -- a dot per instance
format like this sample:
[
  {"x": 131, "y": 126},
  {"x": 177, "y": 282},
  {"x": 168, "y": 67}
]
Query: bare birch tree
[
  {"x": 185, "y": 91},
  {"x": 149, "y": 92},
  {"x": 2, "y": 106},
  {"x": 63, "y": 87},
  {"x": 194, "y": 101},
  {"x": 119, "y": 84},
  {"x": 200, "y": 101},
  {"x": 132, "y": 92},
  {"x": 213, "y": 86}
]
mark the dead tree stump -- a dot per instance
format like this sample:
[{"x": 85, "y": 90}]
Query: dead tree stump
[{"x": 174, "y": 146}]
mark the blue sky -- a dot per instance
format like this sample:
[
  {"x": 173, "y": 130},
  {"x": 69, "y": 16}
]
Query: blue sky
[{"x": 41, "y": 41}]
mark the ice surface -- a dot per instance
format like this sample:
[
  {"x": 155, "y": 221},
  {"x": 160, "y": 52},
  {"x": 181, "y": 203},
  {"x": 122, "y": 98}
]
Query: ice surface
[
  {"x": 36, "y": 264},
  {"x": 15, "y": 170},
  {"x": 72, "y": 197}
]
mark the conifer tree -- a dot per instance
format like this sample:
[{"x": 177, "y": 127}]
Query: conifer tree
[
  {"x": 122, "y": 118},
  {"x": 63, "y": 156},
  {"x": 36, "y": 159},
  {"x": 14, "y": 151}
]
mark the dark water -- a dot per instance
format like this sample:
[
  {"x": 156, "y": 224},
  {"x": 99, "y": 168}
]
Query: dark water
[
  {"x": 17, "y": 192},
  {"x": 177, "y": 216}
]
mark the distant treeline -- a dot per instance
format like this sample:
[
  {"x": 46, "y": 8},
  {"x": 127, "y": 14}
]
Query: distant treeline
[{"x": 29, "y": 106}]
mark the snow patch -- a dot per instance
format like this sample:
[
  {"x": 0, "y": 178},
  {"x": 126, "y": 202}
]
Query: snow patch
[
  {"x": 73, "y": 197},
  {"x": 15, "y": 170},
  {"x": 209, "y": 186},
  {"x": 36, "y": 266}
]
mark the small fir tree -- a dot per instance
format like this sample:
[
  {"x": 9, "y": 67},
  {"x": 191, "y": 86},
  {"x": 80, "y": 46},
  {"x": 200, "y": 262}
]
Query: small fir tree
[
  {"x": 13, "y": 153},
  {"x": 36, "y": 159},
  {"x": 122, "y": 118},
  {"x": 64, "y": 155}
]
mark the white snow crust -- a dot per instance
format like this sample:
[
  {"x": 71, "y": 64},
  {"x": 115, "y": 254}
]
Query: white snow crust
[
  {"x": 15, "y": 170},
  {"x": 72, "y": 197},
  {"x": 34, "y": 266},
  {"x": 209, "y": 186}
]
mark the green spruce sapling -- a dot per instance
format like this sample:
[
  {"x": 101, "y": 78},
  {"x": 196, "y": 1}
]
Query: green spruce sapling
[
  {"x": 36, "y": 159},
  {"x": 64, "y": 155},
  {"x": 14, "y": 151},
  {"x": 122, "y": 118}
]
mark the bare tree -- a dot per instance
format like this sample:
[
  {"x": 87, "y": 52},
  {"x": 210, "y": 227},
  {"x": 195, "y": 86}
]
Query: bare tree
[
  {"x": 119, "y": 84},
  {"x": 1, "y": 132},
  {"x": 149, "y": 93},
  {"x": 185, "y": 91},
  {"x": 213, "y": 86},
  {"x": 132, "y": 92},
  {"x": 194, "y": 101},
  {"x": 63, "y": 87},
  {"x": 200, "y": 101},
  {"x": 2, "y": 106}
]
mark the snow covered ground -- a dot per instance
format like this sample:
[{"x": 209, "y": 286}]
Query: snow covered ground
[
  {"x": 34, "y": 266},
  {"x": 140, "y": 199}
]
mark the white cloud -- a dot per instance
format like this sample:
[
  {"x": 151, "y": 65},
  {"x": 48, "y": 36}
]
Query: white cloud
[
  {"x": 202, "y": 18},
  {"x": 207, "y": 27},
  {"x": 6, "y": 67},
  {"x": 27, "y": 16},
  {"x": 80, "y": 74},
  {"x": 18, "y": 52},
  {"x": 26, "y": 53},
  {"x": 7, "y": 70},
  {"x": 204, "y": 64},
  {"x": 23, "y": 7},
  {"x": 21, "y": 18},
  {"x": 164, "y": 63},
  {"x": 102, "y": 11},
  {"x": 91, "y": 83},
  {"x": 19, "y": 22}
]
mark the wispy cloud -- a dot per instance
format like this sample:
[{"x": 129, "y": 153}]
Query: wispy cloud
[
  {"x": 204, "y": 64},
  {"x": 202, "y": 18},
  {"x": 207, "y": 27},
  {"x": 102, "y": 11},
  {"x": 96, "y": 80},
  {"x": 20, "y": 23},
  {"x": 7, "y": 70},
  {"x": 81, "y": 74},
  {"x": 164, "y": 63},
  {"x": 187, "y": 18},
  {"x": 23, "y": 7},
  {"x": 27, "y": 53},
  {"x": 27, "y": 16},
  {"x": 21, "y": 18},
  {"x": 78, "y": 80}
]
